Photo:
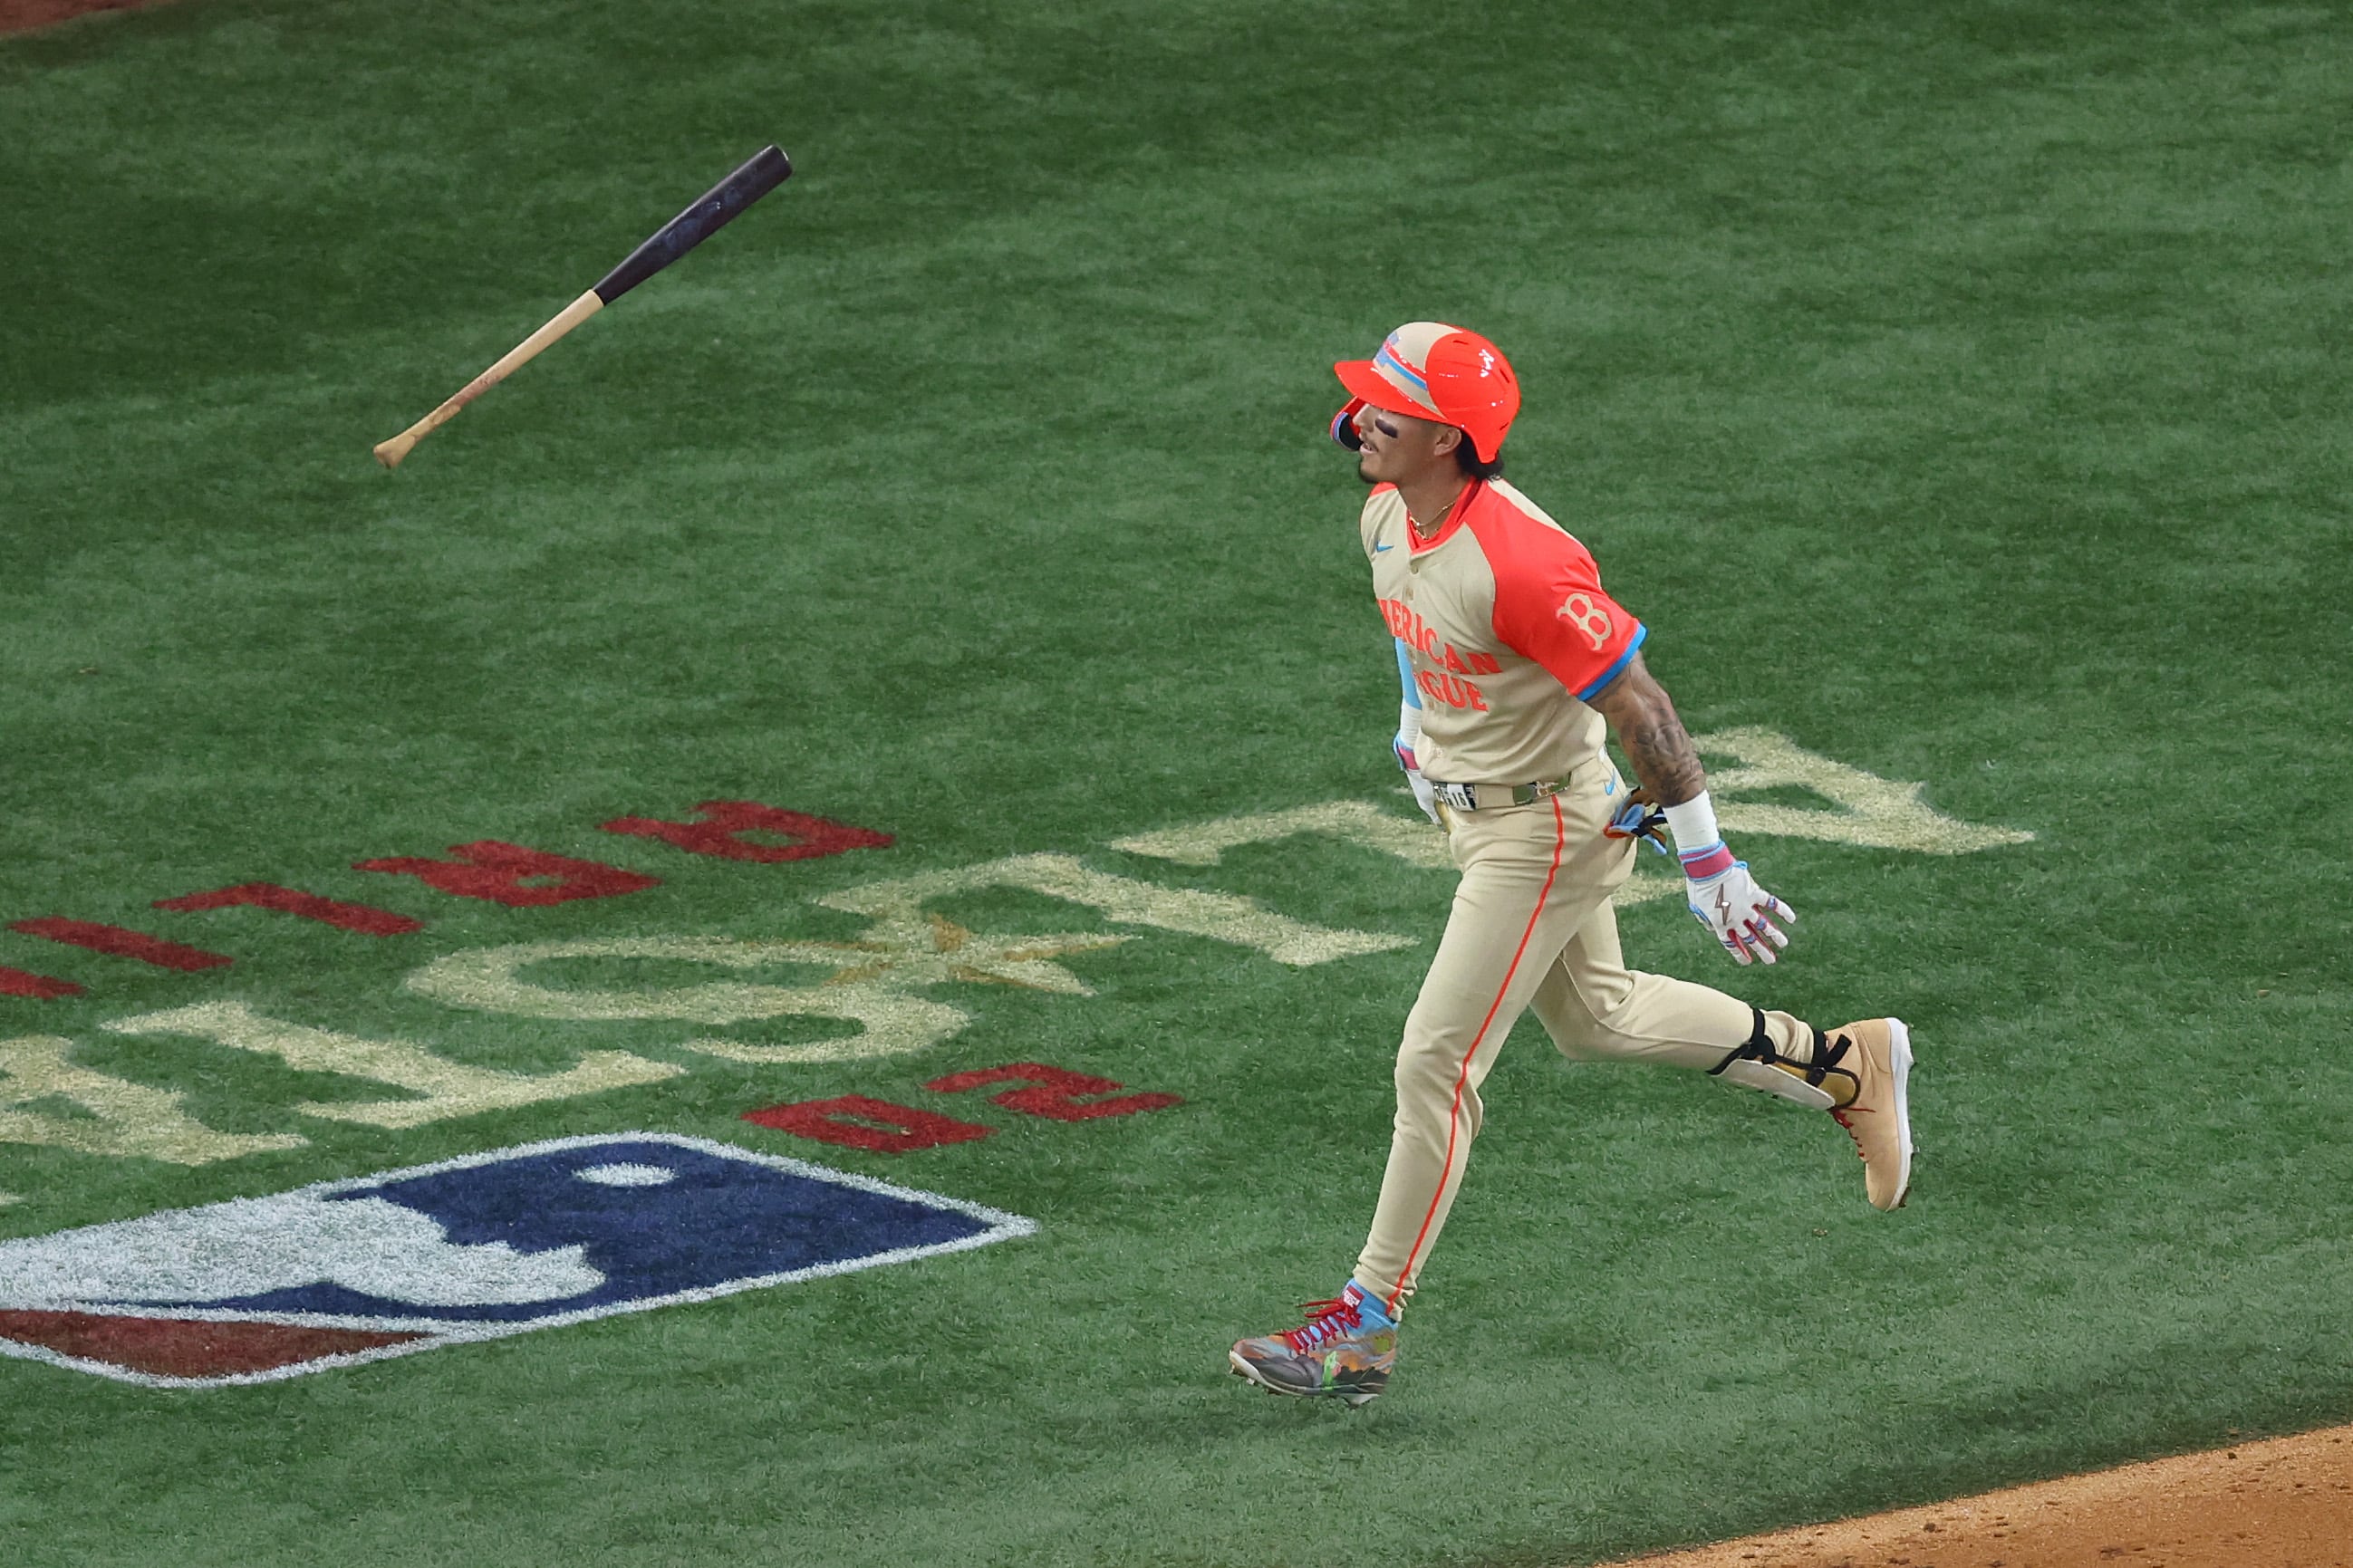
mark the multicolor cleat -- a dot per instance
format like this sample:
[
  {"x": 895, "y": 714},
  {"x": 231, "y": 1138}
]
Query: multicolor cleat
[{"x": 1344, "y": 1350}]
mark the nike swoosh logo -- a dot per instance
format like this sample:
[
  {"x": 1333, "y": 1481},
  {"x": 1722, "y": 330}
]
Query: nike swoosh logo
[{"x": 1378, "y": 548}]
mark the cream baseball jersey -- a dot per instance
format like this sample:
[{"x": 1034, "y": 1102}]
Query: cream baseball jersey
[{"x": 1506, "y": 630}]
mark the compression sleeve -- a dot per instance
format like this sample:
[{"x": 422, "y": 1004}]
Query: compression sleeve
[{"x": 1408, "y": 735}]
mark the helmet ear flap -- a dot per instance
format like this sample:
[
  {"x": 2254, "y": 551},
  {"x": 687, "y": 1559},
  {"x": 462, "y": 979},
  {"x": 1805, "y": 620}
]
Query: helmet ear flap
[{"x": 1344, "y": 426}]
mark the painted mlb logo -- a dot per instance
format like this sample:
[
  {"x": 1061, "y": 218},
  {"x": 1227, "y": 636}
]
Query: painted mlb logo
[{"x": 528, "y": 1237}]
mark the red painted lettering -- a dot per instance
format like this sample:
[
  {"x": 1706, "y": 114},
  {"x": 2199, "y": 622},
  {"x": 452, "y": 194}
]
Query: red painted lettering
[
  {"x": 306, "y": 906},
  {"x": 24, "y": 983},
  {"x": 855, "y": 1121},
  {"x": 510, "y": 874},
  {"x": 1055, "y": 1096},
  {"x": 119, "y": 944},
  {"x": 1454, "y": 662},
  {"x": 1485, "y": 664},
  {"x": 725, "y": 824}
]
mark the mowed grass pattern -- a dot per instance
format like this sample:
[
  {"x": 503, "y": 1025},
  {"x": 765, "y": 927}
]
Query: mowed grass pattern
[{"x": 1962, "y": 393}]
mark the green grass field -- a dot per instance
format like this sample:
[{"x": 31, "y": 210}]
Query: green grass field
[{"x": 1959, "y": 392}]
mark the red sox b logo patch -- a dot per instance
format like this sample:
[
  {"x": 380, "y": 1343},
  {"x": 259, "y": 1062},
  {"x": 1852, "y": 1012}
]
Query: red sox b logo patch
[{"x": 1579, "y": 611}]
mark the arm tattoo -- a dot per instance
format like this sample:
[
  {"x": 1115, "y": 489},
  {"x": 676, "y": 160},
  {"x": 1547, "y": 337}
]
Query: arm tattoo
[
  {"x": 1662, "y": 755},
  {"x": 1664, "y": 761}
]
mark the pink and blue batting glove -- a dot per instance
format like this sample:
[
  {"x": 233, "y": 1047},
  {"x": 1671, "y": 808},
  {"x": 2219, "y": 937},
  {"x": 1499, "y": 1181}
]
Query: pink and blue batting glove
[{"x": 1722, "y": 897}]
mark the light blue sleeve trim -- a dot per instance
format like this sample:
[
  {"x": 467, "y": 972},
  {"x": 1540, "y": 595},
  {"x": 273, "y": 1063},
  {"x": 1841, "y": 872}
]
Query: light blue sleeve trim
[
  {"x": 1640, "y": 632},
  {"x": 1405, "y": 674}
]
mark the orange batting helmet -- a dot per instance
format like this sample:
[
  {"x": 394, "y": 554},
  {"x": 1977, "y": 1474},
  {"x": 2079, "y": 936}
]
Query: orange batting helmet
[{"x": 1432, "y": 371}]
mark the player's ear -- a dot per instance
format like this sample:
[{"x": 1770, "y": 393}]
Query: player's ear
[{"x": 1449, "y": 437}]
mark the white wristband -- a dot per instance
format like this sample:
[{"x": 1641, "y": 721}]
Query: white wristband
[{"x": 1693, "y": 825}]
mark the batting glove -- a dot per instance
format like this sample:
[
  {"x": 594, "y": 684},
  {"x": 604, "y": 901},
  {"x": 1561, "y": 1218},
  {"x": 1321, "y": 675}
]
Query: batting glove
[
  {"x": 1424, "y": 795},
  {"x": 1737, "y": 912},
  {"x": 1639, "y": 817}
]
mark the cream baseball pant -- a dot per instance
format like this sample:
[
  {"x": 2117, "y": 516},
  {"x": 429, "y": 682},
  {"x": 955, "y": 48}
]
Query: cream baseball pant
[{"x": 1532, "y": 926}]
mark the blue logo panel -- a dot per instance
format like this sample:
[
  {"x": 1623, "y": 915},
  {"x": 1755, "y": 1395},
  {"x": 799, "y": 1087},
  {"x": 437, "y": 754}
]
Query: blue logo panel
[
  {"x": 675, "y": 1219},
  {"x": 495, "y": 1244}
]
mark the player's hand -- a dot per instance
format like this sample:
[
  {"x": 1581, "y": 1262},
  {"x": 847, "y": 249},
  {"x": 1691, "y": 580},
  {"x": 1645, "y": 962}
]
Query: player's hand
[
  {"x": 1423, "y": 795},
  {"x": 1739, "y": 914}
]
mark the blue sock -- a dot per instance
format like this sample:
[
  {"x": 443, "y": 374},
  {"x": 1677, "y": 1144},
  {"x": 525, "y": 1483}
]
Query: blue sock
[{"x": 1374, "y": 1310}]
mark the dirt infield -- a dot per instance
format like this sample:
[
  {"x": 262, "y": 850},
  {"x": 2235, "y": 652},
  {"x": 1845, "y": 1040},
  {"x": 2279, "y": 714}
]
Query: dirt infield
[
  {"x": 2284, "y": 1503},
  {"x": 24, "y": 15}
]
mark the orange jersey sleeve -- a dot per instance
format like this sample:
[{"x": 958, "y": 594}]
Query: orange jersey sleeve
[{"x": 1549, "y": 603}]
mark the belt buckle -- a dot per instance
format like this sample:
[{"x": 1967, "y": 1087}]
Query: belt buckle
[
  {"x": 1460, "y": 796},
  {"x": 1465, "y": 797}
]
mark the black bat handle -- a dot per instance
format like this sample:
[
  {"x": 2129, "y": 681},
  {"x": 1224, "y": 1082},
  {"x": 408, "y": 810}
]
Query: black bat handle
[{"x": 759, "y": 174}]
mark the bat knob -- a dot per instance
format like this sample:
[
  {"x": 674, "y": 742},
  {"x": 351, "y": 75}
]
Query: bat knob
[{"x": 389, "y": 453}]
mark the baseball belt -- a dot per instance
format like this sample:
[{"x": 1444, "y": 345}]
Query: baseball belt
[{"x": 1494, "y": 797}]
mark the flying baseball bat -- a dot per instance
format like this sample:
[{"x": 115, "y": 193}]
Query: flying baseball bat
[{"x": 759, "y": 174}]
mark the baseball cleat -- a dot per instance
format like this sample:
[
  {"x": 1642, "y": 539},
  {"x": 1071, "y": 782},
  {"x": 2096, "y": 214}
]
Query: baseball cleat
[
  {"x": 1876, "y": 1055},
  {"x": 1344, "y": 1350}
]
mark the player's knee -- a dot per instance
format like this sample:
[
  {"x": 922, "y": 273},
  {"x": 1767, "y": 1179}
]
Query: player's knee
[
  {"x": 1584, "y": 1022},
  {"x": 1424, "y": 1067},
  {"x": 1581, "y": 1033},
  {"x": 1608, "y": 1009},
  {"x": 1580, "y": 1045}
]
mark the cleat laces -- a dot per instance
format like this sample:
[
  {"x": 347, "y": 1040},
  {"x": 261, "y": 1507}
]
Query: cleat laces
[
  {"x": 1325, "y": 1320},
  {"x": 1840, "y": 1116}
]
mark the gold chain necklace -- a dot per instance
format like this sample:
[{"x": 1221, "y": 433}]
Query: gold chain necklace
[{"x": 1426, "y": 534}]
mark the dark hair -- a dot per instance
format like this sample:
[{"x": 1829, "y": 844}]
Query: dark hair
[{"x": 1473, "y": 466}]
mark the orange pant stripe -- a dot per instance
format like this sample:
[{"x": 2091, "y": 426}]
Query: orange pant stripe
[{"x": 1454, "y": 1126}]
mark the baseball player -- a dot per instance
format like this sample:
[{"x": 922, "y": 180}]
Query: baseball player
[{"x": 1516, "y": 665}]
